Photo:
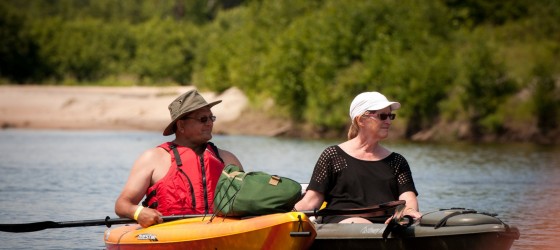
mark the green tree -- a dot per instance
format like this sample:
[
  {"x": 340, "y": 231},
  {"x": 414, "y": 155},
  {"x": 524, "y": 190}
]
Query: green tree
[
  {"x": 19, "y": 52},
  {"x": 164, "y": 50},
  {"x": 84, "y": 50},
  {"x": 546, "y": 99},
  {"x": 485, "y": 88}
]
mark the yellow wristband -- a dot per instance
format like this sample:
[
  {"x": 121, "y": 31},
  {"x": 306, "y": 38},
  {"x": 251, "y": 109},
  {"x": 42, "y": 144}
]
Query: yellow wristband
[{"x": 138, "y": 210}]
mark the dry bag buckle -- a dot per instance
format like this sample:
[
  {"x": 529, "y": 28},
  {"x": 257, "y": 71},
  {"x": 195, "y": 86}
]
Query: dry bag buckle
[{"x": 274, "y": 180}]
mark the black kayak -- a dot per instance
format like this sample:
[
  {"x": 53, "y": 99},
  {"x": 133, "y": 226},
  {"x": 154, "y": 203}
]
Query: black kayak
[{"x": 455, "y": 228}]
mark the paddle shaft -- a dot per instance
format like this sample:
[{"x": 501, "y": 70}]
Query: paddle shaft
[
  {"x": 373, "y": 211},
  {"x": 37, "y": 226}
]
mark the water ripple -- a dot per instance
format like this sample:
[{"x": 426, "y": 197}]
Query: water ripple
[{"x": 61, "y": 175}]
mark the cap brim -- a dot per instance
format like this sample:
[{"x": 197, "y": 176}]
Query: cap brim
[
  {"x": 169, "y": 129},
  {"x": 379, "y": 106}
]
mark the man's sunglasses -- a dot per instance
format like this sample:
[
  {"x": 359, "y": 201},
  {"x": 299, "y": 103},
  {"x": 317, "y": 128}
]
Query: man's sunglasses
[
  {"x": 382, "y": 117},
  {"x": 203, "y": 119}
]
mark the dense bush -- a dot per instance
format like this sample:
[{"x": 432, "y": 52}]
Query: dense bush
[
  {"x": 19, "y": 52},
  {"x": 164, "y": 49},
  {"x": 446, "y": 61},
  {"x": 85, "y": 50}
]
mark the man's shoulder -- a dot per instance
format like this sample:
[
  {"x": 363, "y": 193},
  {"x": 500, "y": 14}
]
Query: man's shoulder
[{"x": 155, "y": 153}]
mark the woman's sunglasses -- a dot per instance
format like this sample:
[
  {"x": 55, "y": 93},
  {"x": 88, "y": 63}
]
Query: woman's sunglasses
[{"x": 382, "y": 117}]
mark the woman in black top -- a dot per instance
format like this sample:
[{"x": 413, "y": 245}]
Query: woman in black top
[{"x": 360, "y": 172}]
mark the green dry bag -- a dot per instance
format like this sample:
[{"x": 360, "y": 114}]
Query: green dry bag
[{"x": 254, "y": 193}]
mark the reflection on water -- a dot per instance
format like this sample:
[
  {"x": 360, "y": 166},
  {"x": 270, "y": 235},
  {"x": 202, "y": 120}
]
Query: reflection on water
[{"x": 59, "y": 176}]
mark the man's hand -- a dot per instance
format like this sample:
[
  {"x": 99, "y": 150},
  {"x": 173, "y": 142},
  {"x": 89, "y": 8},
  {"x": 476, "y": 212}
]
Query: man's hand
[{"x": 148, "y": 217}]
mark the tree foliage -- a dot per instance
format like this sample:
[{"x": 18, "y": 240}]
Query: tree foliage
[{"x": 446, "y": 60}]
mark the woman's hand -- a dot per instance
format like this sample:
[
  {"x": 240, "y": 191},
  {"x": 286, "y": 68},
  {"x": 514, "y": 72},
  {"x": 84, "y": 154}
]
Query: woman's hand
[{"x": 412, "y": 213}]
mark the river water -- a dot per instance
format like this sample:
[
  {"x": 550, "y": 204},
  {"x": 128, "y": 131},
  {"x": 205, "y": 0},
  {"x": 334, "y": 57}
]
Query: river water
[{"x": 77, "y": 175}]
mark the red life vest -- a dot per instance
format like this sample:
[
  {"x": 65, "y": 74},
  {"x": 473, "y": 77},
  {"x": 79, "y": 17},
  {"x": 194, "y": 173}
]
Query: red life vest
[{"x": 188, "y": 187}]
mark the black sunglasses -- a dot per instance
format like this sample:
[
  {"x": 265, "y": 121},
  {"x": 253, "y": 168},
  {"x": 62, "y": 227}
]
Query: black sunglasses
[
  {"x": 384, "y": 117},
  {"x": 203, "y": 119}
]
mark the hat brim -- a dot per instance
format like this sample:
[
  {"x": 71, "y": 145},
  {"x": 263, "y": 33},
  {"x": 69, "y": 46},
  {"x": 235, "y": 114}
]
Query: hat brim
[{"x": 169, "y": 129}]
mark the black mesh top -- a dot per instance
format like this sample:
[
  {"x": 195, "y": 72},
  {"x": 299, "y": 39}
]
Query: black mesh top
[{"x": 348, "y": 182}]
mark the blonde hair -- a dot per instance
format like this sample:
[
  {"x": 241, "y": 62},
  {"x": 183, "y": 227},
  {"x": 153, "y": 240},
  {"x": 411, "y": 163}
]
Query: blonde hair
[{"x": 354, "y": 128}]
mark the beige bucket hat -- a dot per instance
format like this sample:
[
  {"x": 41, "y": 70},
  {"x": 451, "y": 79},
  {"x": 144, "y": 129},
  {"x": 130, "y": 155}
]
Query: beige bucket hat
[{"x": 185, "y": 103}]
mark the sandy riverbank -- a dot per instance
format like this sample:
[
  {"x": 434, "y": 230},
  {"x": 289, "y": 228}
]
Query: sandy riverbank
[
  {"x": 145, "y": 108},
  {"x": 122, "y": 108}
]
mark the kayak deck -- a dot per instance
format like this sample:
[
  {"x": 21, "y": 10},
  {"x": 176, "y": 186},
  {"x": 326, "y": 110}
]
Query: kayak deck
[
  {"x": 369, "y": 236},
  {"x": 276, "y": 231}
]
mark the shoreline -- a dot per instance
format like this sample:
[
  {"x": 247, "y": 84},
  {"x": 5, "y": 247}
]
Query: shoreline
[
  {"x": 122, "y": 108},
  {"x": 145, "y": 108}
]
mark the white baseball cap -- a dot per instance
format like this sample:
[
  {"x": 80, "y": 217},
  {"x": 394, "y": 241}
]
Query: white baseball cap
[{"x": 370, "y": 101}]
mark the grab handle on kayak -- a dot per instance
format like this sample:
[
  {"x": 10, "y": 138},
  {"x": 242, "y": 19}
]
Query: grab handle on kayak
[{"x": 300, "y": 234}]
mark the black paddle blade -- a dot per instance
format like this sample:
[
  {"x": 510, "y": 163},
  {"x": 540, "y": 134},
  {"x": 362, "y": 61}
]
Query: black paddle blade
[{"x": 28, "y": 227}]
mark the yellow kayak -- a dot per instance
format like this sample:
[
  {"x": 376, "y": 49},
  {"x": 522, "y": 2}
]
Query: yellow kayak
[{"x": 291, "y": 230}]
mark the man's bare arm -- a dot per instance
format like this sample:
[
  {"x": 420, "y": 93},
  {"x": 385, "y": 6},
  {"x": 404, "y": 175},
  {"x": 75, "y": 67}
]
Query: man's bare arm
[{"x": 138, "y": 182}]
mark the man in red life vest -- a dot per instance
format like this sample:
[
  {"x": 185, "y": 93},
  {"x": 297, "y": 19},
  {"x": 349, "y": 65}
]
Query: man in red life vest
[{"x": 177, "y": 177}]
